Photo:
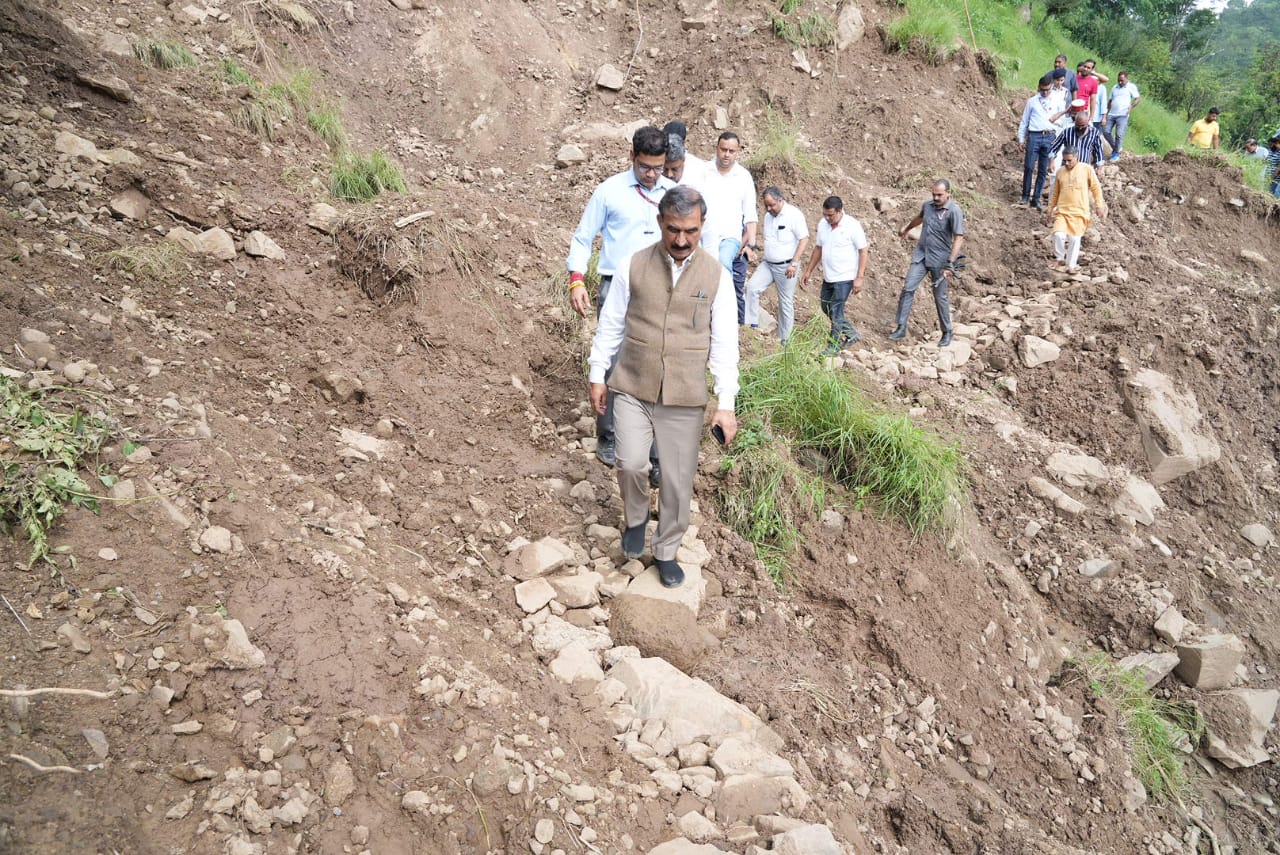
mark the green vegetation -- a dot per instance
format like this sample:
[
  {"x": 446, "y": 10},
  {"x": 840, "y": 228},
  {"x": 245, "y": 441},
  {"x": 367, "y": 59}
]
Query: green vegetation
[
  {"x": 356, "y": 177},
  {"x": 233, "y": 74},
  {"x": 42, "y": 447},
  {"x": 812, "y": 30},
  {"x": 292, "y": 14},
  {"x": 164, "y": 55},
  {"x": 912, "y": 474},
  {"x": 1155, "y": 730},
  {"x": 160, "y": 262},
  {"x": 272, "y": 107},
  {"x": 928, "y": 29},
  {"x": 327, "y": 123},
  {"x": 766, "y": 500},
  {"x": 782, "y": 143}
]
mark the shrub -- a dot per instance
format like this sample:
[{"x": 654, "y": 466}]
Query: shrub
[
  {"x": 164, "y": 55},
  {"x": 40, "y": 456},
  {"x": 1155, "y": 730},
  {"x": 927, "y": 30},
  {"x": 912, "y": 474},
  {"x": 356, "y": 177}
]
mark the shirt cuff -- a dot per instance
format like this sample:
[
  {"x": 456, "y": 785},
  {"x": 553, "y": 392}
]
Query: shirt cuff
[
  {"x": 725, "y": 403},
  {"x": 595, "y": 375}
]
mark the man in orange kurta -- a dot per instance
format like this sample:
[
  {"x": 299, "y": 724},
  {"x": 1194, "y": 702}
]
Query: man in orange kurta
[{"x": 1068, "y": 210}]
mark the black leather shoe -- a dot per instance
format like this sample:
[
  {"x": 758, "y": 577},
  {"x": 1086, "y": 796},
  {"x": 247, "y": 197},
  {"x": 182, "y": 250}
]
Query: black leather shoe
[
  {"x": 899, "y": 333},
  {"x": 633, "y": 539},
  {"x": 605, "y": 453},
  {"x": 655, "y": 476},
  {"x": 670, "y": 573},
  {"x": 945, "y": 340}
]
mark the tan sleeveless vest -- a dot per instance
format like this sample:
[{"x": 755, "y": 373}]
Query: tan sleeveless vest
[{"x": 663, "y": 359}]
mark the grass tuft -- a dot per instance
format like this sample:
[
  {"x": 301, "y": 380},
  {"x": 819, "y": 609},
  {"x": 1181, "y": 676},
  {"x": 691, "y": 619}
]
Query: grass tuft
[
  {"x": 927, "y": 29},
  {"x": 912, "y": 474},
  {"x": 327, "y": 124},
  {"x": 781, "y": 143},
  {"x": 164, "y": 55},
  {"x": 270, "y": 109},
  {"x": 42, "y": 446},
  {"x": 1155, "y": 730},
  {"x": 766, "y": 495},
  {"x": 233, "y": 74},
  {"x": 356, "y": 177},
  {"x": 295, "y": 15},
  {"x": 812, "y": 31},
  {"x": 160, "y": 262}
]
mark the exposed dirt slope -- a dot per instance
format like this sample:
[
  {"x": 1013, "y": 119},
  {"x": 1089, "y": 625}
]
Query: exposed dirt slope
[{"x": 917, "y": 686}]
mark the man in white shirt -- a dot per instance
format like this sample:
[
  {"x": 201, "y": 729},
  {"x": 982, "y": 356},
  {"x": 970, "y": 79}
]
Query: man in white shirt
[
  {"x": 1124, "y": 97},
  {"x": 731, "y": 209},
  {"x": 1036, "y": 133},
  {"x": 786, "y": 236},
  {"x": 622, "y": 210},
  {"x": 687, "y": 169},
  {"x": 669, "y": 317},
  {"x": 841, "y": 248}
]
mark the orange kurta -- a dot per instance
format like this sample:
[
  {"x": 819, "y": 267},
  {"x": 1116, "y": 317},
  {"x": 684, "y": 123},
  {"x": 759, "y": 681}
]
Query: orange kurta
[{"x": 1070, "y": 197}]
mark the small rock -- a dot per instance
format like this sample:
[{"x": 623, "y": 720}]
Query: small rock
[
  {"x": 1210, "y": 663},
  {"x": 608, "y": 77},
  {"x": 71, "y": 634},
  {"x": 698, "y": 828},
  {"x": 569, "y": 155},
  {"x": 131, "y": 204},
  {"x": 534, "y": 594},
  {"x": 1036, "y": 351},
  {"x": 97, "y": 742},
  {"x": 216, "y": 538},
  {"x": 70, "y": 144},
  {"x": 107, "y": 554},
  {"x": 182, "y": 808},
  {"x": 538, "y": 559},
  {"x": 1099, "y": 568},
  {"x": 1170, "y": 626},
  {"x": 1258, "y": 534},
  {"x": 258, "y": 245},
  {"x": 186, "y": 728},
  {"x": 1237, "y": 723},
  {"x": 544, "y": 830},
  {"x": 339, "y": 783},
  {"x": 806, "y": 840},
  {"x": 1255, "y": 256},
  {"x": 324, "y": 218}
]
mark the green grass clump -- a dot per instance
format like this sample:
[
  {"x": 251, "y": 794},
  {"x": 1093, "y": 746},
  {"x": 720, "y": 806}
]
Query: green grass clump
[
  {"x": 768, "y": 496},
  {"x": 1155, "y": 730},
  {"x": 813, "y": 30},
  {"x": 327, "y": 124},
  {"x": 164, "y": 55},
  {"x": 42, "y": 446},
  {"x": 781, "y": 142},
  {"x": 233, "y": 74},
  {"x": 160, "y": 262},
  {"x": 270, "y": 109},
  {"x": 356, "y": 177},
  {"x": 912, "y": 474},
  {"x": 927, "y": 29}
]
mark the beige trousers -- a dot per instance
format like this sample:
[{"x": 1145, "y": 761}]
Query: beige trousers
[{"x": 678, "y": 431}]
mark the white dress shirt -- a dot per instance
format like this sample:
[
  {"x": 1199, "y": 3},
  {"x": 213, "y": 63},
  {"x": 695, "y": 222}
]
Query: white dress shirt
[
  {"x": 723, "y": 358},
  {"x": 783, "y": 233},
  {"x": 840, "y": 248},
  {"x": 731, "y": 202},
  {"x": 625, "y": 214}
]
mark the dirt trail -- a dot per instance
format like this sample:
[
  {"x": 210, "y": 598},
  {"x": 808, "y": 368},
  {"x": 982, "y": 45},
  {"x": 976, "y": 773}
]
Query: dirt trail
[{"x": 311, "y": 591}]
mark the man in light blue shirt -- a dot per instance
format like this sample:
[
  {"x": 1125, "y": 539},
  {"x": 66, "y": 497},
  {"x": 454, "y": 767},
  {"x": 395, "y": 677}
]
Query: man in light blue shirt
[
  {"x": 1036, "y": 133},
  {"x": 623, "y": 210}
]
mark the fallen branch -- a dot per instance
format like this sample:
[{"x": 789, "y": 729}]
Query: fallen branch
[
  {"x": 15, "y": 613},
  {"x": 43, "y": 769},
  {"x": 54, "y": 690}
]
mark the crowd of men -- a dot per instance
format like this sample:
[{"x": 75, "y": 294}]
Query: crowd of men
[{"x": 677, "y": 236}]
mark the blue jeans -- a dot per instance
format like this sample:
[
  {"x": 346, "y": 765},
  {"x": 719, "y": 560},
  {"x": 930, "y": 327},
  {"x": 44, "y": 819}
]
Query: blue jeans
[
  {"x": 728, "y": 252},
  {"x": 1036, "y": 160},
  {"x": 1116, "y": 128},
  {"x": 833, "y": 297}
]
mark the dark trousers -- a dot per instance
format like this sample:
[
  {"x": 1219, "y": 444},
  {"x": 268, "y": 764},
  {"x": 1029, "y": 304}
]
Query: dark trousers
[
  {"x": 915, "y": 275},
  {"x": 604, "y": 424},
  {"x": 740, "y": 286},
  {"x": 1037, "y": 161},
  {"x": 834, "y": 296}
]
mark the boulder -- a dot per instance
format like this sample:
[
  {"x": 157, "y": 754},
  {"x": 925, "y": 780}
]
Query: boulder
[
  {"x": 1138, "y": 500},
  {"x": 1258, "y": 534},
  {"x": 691, "y": 709},
  {"x": 1211, "y": 662},
  {"x": 1236, "y": 725},
  {"x": 608, "y": 77},
  {"x": 554, "y": 634},
  {"x": 806, "y": 840},
  {"x": 258, "y": 245},
  {"x": 538, "y": 559},
  {"x": 1034, "y": 351},
  {"x": 744, "y": 796},
  {"x": 579, "y": 591},
  {"x": 1153, "y": 667},
  {"x": 568, "y": 155},
  {"x": 660, "y": 628},
  {"x": 130, "y": 204},
  {"x": 690, "y": 595},
  {"x": 1175, "y": 436},
  {"x": 1078, "y": 470},
  {"x": 737, "y": 756},
  {"x": 850, "y": 26}
]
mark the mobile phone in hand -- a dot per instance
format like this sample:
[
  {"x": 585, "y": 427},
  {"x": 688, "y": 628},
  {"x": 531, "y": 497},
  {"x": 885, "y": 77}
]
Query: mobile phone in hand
[{"x": 718, "y": 433}]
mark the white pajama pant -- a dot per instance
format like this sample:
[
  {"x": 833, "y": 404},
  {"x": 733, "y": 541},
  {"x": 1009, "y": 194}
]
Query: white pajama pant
[{"x": 1066, "y": 247}]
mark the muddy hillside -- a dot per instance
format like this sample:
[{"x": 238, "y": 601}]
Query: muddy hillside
[{"x": 341, "y": 573}]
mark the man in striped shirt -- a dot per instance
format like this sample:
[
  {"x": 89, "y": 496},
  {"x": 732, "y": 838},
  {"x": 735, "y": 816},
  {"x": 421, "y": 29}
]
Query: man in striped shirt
[
  {"x": 1083, "y": 137},
  {"x": 1272, "y": 171}
]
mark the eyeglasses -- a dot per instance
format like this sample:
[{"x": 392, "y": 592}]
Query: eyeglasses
[
  {"x": 1044, "y": 91},
  {"x": 649, "y": 170}
]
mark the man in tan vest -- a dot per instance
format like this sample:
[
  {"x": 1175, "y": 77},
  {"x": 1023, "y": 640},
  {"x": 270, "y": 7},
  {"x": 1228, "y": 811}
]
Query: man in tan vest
[{"x": 670, "y": 315}]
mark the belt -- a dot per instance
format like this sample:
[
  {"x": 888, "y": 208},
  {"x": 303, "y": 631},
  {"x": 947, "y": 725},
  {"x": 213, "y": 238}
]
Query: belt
[
  {"x": 788, "y": 261},
  {"x": 1045, "y": 132}
]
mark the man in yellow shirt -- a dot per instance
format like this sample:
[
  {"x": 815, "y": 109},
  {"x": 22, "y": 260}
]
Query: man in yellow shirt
[
  {"x": 1068, "y": 210},
  {"x": 1204, "y": 133}
]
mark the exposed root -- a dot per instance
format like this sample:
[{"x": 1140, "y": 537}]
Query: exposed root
[
  {"x": 45, "y": 769},
  {"x": 54, "y": 690}
]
